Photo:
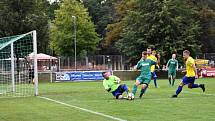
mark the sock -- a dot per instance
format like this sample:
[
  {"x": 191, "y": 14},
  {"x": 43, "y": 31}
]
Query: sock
[
  {"x": 155, "y": 82},
  {"x": 178, "y": 90},
  {"x": 144, "y": 90},
  {"x": 173, "y": 81},
  {"x": 134, "y": 89},
  {"x": 195, "y": 86},
  {"x": 124, "y": 87},
  {"x": 169, "y": 81}
]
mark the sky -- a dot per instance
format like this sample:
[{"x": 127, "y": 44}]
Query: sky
[{"x": 51, "y": 1}]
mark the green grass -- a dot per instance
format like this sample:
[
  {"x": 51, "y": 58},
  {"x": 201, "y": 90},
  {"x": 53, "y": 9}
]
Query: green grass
[{"x": 191, "y": 105}]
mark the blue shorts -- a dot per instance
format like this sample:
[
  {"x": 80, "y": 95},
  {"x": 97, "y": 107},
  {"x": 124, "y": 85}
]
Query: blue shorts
[
  {"x": 118, "y": 91},
  {"x": 187, "y": 80},
  {"x": 154, "y": 75}
]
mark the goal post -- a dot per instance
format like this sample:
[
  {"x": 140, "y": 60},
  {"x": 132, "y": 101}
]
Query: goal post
[{"x": 18, "y": 72}]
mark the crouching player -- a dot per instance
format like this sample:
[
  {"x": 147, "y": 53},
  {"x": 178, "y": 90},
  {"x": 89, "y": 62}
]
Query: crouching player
[{"x": 112, "y": 84}]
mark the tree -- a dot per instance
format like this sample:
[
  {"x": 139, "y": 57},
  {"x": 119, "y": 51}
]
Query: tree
[
  {"x": 52, "y": 7},
  {"x": 169, "y": 25},
  {"x": 114, "y": 29},
  {"x": 206, "y": 13},
  {"x": 21, "y": 16},
  {"x": 62, "y": 30},
  {"x": 102, "y": 13}
]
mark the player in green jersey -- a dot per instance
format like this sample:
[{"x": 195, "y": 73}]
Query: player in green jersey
[
  {"x": 172, "y": 67},
  {"x": 145, "y": 77}
]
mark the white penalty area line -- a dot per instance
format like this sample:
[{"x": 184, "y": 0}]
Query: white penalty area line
[{"x": 83, "y": 109}]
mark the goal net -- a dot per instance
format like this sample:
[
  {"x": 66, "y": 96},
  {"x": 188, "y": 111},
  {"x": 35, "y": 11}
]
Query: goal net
[{"x": 18, "y": 68}]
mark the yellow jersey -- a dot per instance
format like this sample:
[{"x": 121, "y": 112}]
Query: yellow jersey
[
  {"x": 190, "y": 70},
  {"x": 153, "y": 58}
]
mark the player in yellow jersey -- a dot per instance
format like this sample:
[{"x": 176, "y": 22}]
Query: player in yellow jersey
[
  {"x": 191, "y": 75},
  {"x": 151, "y": 56}
]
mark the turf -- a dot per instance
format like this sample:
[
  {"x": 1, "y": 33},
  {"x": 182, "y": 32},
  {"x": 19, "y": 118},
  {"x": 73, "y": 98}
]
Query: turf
[{"x": 156, "y": 105}]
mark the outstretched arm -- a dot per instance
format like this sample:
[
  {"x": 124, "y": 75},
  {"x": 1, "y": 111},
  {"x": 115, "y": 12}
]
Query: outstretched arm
[
  {"x": 106, "y": 86},
  {"x": 117, "y": 79},
  {"x": 177, "y": 66},
  {"x": 167, "y": 65}
]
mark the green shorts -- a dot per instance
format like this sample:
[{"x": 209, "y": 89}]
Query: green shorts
[
  {"x": 172, "y": 73},
  {"x": 144, "y": 79}
]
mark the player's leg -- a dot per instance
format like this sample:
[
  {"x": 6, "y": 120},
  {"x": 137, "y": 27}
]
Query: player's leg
[
  {"x": 137, "y": 83},
  {"x": 143, "y": 90},
  {"x": 193, "y": 85},
  {"x": 169, "y": 77},
  {"x": 145, "y": 86},
  {"x": 173, "y": 78},
  {"x": 118, "y": 93},
  {"x": 119, "y": 96},
  {"x": 184, "y": 81},
  {"x": 155, "y": 78},
  {"x": 124, "y": 87}
]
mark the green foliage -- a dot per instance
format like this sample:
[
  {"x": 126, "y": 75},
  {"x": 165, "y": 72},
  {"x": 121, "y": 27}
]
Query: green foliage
[
  {"x": 21, "y": 16},
  {"x": 62, "y": 30},
  {"x": 114, "y": 29},
  {"x": 53, "y": 6},
  {"x": 102, "y": 13},
  {"x": 169, "y": 25},
  {"x": 206, "y": 13}
]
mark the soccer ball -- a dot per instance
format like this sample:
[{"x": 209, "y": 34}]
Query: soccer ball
[{"x": 130, "y": 96}]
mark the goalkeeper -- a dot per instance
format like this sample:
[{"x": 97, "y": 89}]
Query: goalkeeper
[{"x": 112, "y": 84}]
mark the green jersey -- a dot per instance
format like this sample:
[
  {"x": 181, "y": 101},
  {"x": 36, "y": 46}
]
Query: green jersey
[
  {"x": 111, "y": 83},
  {"x": 145, "y": 65},
  {"x": 172, "y": 64}
]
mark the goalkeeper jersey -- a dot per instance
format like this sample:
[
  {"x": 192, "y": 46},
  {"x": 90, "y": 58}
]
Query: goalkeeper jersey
[{"x": 111, "y": 83}]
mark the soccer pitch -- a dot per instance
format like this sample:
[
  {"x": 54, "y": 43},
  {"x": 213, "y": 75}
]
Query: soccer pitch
[{"x": 88, "y": 101}]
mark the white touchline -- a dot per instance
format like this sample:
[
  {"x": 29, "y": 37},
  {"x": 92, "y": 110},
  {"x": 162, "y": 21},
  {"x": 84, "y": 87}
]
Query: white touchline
[{"x": 83, "y": 109}]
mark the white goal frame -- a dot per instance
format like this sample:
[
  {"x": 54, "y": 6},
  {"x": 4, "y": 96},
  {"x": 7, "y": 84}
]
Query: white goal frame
[{"x": 12, "y": 65}]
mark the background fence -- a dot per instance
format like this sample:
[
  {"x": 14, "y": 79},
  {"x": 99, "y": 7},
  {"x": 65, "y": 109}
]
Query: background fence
[
  {"x": 96, "y": 62},
  {"x": 207, "y": 56}
]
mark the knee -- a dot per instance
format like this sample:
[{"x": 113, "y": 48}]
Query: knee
[
  {"x": 144, "y": 86},
  {"x": 181, "y": 84},
  {"x": 123, "y": 85},
  {"x": 137, "y": 83}
]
